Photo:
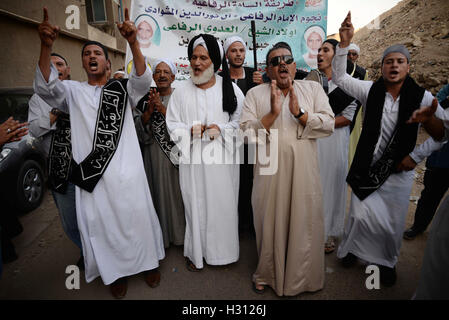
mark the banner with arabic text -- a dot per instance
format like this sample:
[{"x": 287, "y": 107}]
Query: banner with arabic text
[{"x": 166, "y": 27}]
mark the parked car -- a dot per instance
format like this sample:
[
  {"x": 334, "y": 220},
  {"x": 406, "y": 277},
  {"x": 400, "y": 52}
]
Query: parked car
[{"x": 22, "y": 163}]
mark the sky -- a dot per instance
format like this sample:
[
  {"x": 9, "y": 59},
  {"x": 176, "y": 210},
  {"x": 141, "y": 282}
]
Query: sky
[{"x": 363, "y": 12}]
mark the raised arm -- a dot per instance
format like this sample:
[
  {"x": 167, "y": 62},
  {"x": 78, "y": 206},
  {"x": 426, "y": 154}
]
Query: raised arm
[
  {"x": 129, "y": 31},
  {"x": 48, "y": 34},
  {"x": 46, "y": 82},
  {"x": 358, "y": 89},
  {"x": 140, "y": 78}
]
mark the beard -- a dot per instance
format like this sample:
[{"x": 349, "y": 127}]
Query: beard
[
  {"x": 142, "y": 41},
  {"x": 204, "y": 77},
  {"x": 236, "y": 66}
]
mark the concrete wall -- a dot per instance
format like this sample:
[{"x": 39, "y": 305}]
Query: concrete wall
[{"x": 20, "y": 41}]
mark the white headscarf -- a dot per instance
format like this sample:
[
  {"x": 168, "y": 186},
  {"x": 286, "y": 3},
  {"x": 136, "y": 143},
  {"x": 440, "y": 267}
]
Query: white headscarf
[
  {"x": 231, "y": 40},
  {"x": 316, "y": 29},
  {"x": 148, "y": 20},
  {"x": 168, "y": 63},
  {"x": 354, "y": 47}
]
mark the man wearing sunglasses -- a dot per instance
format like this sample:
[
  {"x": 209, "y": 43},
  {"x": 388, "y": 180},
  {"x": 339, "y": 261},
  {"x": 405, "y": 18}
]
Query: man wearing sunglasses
[
  {"x": 288, "y": 116},
  {"x": 353, "y": 52}
]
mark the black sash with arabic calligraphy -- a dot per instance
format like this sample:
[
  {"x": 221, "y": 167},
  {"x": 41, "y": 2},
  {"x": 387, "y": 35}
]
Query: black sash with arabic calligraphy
[
  {"x": 60, "y": 156},
  {"x": 160, "y": 132},
  {"x": 363, "y": 177},
  {"x": 110, "y": 120}
]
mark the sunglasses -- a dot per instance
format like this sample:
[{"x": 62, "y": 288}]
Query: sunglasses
[
  {"x": 353, "y": 54},
  {"x": 277, "y": 60}
]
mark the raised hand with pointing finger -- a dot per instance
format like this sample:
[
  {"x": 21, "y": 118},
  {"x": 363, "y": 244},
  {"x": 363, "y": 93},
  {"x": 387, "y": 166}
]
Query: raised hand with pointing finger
[
  {"x": 346, "y": 31},
  {"x": 47, "y": 32}
]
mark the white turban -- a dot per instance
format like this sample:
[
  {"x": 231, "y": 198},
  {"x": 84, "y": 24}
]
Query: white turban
[
  {"x": 354, "y": 47},
  {"x": 148, "y": 20},
  {"x": 200, "y": 42},
  {"x": 316, "y": 29},
  {"x": 231, "y": 40},
  {"x": 168, "y": 63}
]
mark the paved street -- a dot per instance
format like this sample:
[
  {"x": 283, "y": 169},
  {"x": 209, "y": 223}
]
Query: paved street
[{"x": 45, "y": 252}]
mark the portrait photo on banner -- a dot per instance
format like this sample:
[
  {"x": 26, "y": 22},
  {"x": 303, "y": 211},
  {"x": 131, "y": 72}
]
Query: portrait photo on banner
[{"x": 165, "y": 28}]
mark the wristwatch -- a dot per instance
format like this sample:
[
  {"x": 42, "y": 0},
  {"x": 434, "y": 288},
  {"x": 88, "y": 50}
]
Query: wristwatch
[
  {"x": 300, "y": 114},
  {"x": 55, "y": 111}
]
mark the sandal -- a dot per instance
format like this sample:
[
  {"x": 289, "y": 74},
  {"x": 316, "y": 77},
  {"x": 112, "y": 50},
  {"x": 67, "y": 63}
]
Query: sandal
[
  {"x": 329, "y": 246},
  {"x": 190, "y": 266},
  {"x": 258, "y": 291}
]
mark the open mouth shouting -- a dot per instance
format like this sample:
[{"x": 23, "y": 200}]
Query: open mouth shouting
[
  {"x": 393, "y": 73},
  {"x": 93, "y": 65},
  {"x": 283, "y": 72}
]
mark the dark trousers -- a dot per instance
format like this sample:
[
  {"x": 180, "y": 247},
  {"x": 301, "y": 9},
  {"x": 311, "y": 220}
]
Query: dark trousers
[
  {"x": 245, "y": 191},
  {"x": 436, "y": 183}
]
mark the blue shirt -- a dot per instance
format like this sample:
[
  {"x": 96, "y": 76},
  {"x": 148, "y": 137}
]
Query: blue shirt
[{"x": 440, "y": 158}]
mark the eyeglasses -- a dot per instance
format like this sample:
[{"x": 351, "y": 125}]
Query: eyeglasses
[
  {"x": 353, "y": 54},
  {"x": 277, "y": 60}
]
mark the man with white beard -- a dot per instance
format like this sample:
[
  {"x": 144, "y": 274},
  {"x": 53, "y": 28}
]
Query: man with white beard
[
  {"x": 145, "y": 31},
  {"x": 207, "y": 107}
]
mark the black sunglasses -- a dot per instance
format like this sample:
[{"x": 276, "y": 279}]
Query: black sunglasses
[
  {"x": 353, "y": 54},
  {"x": 277, "y": 60}
]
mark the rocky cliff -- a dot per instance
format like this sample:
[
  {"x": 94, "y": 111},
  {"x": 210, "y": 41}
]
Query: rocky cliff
[{"x": 421, "y": 25}]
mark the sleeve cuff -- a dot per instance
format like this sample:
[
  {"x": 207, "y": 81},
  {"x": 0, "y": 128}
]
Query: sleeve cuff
[
  {"x": 147, "y": 72},
  {"x": 306, "y": 129},
  {"x": 415, "y": 157},
  {"x": 341, "y": 51}
]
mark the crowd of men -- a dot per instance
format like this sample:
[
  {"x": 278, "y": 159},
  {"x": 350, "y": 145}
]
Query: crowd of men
[{"x": 135, "y": 168}]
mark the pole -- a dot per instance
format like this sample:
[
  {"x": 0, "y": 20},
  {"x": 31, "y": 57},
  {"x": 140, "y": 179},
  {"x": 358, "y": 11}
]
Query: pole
[{"x": 253, "y": 31}]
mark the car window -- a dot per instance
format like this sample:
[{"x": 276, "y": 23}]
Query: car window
[{"x": 15, "y": 105}]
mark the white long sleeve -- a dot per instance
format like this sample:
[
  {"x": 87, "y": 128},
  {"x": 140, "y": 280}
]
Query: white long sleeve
[
  {"x": 359, "y": 89},
  {"x": 425, "y": 149}
]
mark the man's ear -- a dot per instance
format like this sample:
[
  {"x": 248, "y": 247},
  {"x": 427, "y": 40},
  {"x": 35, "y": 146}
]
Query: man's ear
[{"x": 172, "y": 77}]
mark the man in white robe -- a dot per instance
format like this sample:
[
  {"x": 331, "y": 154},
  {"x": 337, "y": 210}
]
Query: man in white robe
[
  {"x": 43, "y": 120},
  {"x": 333, "y": 150},
  {"x": 374, "y": 229},
  {"x": 120, "y": 232},
  {"x": 212, "y": 105}
]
